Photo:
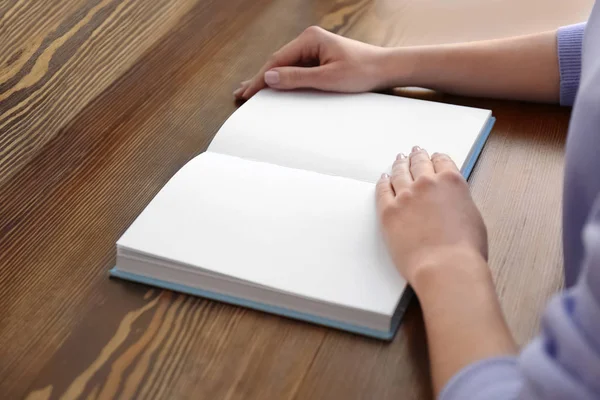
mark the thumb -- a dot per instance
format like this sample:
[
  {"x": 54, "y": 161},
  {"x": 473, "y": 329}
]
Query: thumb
[{"x": 295, "y": 77}]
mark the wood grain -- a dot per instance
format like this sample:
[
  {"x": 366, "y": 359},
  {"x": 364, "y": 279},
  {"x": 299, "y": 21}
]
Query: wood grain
[
  {"x": 102, "y": 101},
  {"x": 54, "y": 68}
]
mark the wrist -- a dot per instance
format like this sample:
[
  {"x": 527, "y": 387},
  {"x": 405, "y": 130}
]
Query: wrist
[
  {"x": 462, "y": 314},
  {"x": 405, "y": 66},
  {"x": 436, "y": 272}
]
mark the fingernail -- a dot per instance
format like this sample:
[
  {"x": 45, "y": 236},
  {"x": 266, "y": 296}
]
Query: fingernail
[
  {"x": 400, "y": 156},
  {"x": 244, "y": 83},
  {"x": 384, "y": 176},
  {"x": 415, "y": 149},
  {"x": 238, "y": 91},
  {"x": 272, "y": 77}
]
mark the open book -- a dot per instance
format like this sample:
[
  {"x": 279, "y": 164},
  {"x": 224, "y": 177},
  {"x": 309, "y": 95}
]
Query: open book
[{"x": 279, "y": 213}]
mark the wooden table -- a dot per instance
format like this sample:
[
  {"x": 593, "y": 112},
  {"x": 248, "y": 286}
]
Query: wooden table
[{"x": 101, "y": 101}]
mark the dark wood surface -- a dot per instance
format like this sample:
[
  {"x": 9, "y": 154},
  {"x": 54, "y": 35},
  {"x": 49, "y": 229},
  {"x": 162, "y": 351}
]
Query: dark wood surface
[{"x": 102, "y": 101}]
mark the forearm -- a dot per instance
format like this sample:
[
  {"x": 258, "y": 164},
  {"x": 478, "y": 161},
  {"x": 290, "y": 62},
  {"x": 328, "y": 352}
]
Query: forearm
[
  {"x": 520, "y": 68},
  {"x": 463, "y": 319}
]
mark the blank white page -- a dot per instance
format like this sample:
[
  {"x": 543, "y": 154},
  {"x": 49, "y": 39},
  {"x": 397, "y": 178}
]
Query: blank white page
[
  {"x": 352, "y": 135},
  {"x": 296, "y": 231}
]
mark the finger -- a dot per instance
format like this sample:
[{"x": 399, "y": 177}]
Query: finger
[
  {"x": 384, "y": 192},
  {"x": 297, "y": 77},
  {"x": 238, "y": 92},
  {"x": 288, "y": 55},
  {"x": 442, "y": 163},
  {"x": 401, "y": 178},
  {"x": 420, "y": 163}
]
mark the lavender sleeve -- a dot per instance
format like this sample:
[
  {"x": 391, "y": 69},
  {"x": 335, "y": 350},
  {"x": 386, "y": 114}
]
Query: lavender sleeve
[
  {"x": 563, "y": 362},
  {"x": 569, "y": 44}
]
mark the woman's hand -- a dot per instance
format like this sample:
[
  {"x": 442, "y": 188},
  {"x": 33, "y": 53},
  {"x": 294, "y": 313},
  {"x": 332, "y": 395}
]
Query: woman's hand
[
  {"x": 428, "y": 216},
  {"x": 320, "y": 60},
  {"x": 521, "y": 68},
  {"x": 438, "y": 242}
]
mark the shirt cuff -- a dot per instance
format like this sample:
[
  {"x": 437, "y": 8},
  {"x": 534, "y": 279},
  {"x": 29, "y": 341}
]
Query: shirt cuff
[
  {"x": 569, "y": 42},
  {"x": 494, "y": 378}
]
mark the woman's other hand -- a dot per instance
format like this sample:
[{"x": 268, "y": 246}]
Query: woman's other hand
[
  {"x": 428, "y": 216},
  {"x": 321, "y": 60}
]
